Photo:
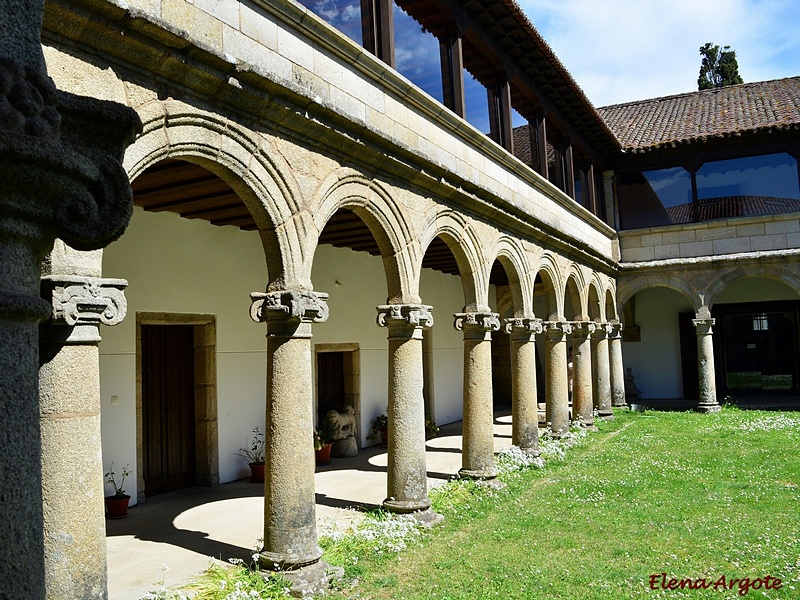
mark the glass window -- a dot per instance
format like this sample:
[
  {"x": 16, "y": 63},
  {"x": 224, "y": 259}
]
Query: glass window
[
  {"x": 748, "y": 186},
  {"x": 416, "y": 54},
  {"x": 344, "y": 15},
  {"x": 477, "y": 103},
  {"x": 659, "y": 197}
]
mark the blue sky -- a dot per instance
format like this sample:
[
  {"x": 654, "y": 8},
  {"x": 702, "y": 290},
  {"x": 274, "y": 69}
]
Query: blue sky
[{"x": 624, "y": 50}]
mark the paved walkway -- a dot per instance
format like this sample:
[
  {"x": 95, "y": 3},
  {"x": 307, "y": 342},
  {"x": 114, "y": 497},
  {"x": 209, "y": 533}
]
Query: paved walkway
[{"x": 180, "y": 531}]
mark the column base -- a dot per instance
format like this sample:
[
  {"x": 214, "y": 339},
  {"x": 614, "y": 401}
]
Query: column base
[
  {"x": 311, "y": 580},
  {"x": 405, "y": 507},
  {"x": 707, "y": 408},
  {"x": 620, "y": 404},
  {"x": 477, "y": 474},
  {"x": 274, "y": 561},
  {"x": 606, "y": 416}
]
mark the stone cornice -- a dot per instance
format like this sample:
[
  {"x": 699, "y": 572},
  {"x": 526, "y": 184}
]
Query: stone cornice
[{"x": 631, "y": 268}]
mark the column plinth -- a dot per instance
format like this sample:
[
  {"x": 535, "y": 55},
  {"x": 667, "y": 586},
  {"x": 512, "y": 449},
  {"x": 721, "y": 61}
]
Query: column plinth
[
  {"x": 582, "y": 403},
  {"x": 601, "y": 371},
  {"x": 617, "y": 367},
  {"x": 557, "y": 390},
  {"x": 290, "y": 530},
  {"x": 407, "y": 479},
  {"x": 477, "y": 455},
  {"x": 524, "y": 401},
  {"x": 705, "y": 366}
]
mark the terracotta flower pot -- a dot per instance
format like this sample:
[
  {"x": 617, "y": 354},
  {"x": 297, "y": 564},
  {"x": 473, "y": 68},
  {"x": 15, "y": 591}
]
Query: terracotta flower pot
[
  {"x": 257, "y": 472},
  {"x": 117, "y": 507},
  {"x": 323, "y": 455}
]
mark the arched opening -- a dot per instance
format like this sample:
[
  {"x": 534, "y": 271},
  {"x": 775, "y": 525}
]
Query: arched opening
[{"x": 188, "y": 350}]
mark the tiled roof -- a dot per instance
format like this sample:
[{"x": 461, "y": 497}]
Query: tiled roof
[
  {"x": 733, "y": 206},
  {"x": 698, "y": 116}
]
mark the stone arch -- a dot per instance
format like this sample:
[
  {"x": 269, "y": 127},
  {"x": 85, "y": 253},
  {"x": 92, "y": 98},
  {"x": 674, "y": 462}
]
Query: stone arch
[
  {"x": 610, "y": 307},
  {"x": 594, "y": 293},
  {"x": 720, "y": 282},
  {"x": 242, "y": 159},
  {"x": 351, "y": 189},
  {"x": 454, "y": 229},
  {"x": 511, "y": 256},
  {"x": 551, "y": 282},
  {"x": 573, "y": 295},
  {"x": 633, "y": 286}
]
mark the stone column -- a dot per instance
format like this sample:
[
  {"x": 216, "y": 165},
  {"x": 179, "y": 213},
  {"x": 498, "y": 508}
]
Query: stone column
[
  {"x": 600, "y": 370},
  {"x": 582, "y": 404},
  {"x": 524, "y": 409},
  {"x": 617, "y": 368},
  {"x": 69, "y": 404},
  {"x": 557, "y": 390},
  {"x": 60, "y": 176},
  {"x": 407, "y": 481},
  {"x": 290, "y": 529},
  {"x": 477, "y": 454},
  {"x": 705, "y": 365}
]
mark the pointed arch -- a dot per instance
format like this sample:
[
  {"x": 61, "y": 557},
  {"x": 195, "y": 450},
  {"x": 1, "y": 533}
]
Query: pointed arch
[{"x": 511, "y": 256}]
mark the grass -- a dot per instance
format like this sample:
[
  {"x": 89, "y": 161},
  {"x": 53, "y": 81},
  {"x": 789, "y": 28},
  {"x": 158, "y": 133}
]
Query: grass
[
  {"x": 695, "y": 497},
  {"x": 690, "y": 495}
]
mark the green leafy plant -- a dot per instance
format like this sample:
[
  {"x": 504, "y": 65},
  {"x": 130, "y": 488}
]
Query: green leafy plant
[
  {"x": 323, "y": 435},
  {"x": 380, "y": 423},
  {"x": 111, "y": 478},
  {"x": 255, "y": 453},
  {"x": 431, "y": 428}
]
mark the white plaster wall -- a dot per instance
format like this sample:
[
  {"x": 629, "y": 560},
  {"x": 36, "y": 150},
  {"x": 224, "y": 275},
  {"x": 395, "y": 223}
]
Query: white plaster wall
[
  {"x": 656, "y": 359},
  {"x": 179, "y": 265}
]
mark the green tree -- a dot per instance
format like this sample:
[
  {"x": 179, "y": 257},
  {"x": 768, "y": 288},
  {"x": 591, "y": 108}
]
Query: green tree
[{"x": 718, "y": 68}]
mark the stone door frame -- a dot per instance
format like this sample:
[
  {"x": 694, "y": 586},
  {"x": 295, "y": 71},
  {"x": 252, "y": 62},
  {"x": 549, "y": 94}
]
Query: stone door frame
[
  {"x": 205, "y": 394},
  {"x": 352, "y": 379}
]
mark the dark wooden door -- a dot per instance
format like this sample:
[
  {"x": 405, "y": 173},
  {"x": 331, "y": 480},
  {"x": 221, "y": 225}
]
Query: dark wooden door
[
  {"x": 688, "y": 341},
  {"x": 330, "y": 382},
  {"x": 168, "y": 424}
]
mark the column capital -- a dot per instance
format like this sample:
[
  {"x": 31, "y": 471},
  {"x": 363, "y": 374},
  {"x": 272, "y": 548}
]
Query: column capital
[
  {"x": 299, "y": 306},
  {"x": 616, "y": 330},
  {"x": 523, "y": 325},
  {"x": 601, "y": 331},
  {"x": 80, "y": 305},
  {"x": 556, "y": 330},
  {"x": 483, "y": 321},
  {"x": 413, "y": 315},
  {"x": 704, "y": 326},
  {"x": 583, "y": 329}
]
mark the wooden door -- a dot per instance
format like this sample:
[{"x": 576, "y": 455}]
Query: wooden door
[
  {"x": 168, "y": 424},
  {"x": 330, "y": 382}
]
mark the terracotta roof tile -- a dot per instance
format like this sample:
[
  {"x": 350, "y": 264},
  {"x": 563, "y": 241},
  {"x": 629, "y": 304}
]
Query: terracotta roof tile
[{"x": 720, "y": 112}]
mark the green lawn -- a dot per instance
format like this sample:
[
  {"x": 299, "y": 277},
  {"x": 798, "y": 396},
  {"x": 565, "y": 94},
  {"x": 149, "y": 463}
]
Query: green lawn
[{"x": 690, "y": 495}]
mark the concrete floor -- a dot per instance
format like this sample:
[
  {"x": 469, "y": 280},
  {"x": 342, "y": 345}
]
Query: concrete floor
[{"x": 180, "y": 531}]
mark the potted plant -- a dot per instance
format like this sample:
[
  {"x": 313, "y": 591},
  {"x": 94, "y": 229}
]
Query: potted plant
[
  {"x": 431, "y": 428},
  {"x": 380, "y": 430},
  {"x": 323, "y": 442},
  {"x": 117, "y": 505},
  {"x": 254, "y": 455}
]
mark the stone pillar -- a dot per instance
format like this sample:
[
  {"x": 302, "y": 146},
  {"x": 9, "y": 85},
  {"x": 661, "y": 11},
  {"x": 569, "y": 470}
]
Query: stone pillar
[
  {"x": 69, "y": 404},
  {"x": 477, "y": 454},
  {"x": 617, "y": 368},
  {"x": 600, "y": 370},
  {"x": 60, "y": 176},
  {"x": 407, "y": 481},
  {"x": 582, "y": 404},
  {"x": 705, "y": 365},
  {"x": 524, "y": 403},
  {"x": 290, "y": 529},
  {"x": 557, "y": 390}
]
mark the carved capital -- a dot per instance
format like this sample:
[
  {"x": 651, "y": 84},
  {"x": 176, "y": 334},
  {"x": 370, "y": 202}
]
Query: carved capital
[
  {"x": 484, "y": 321},
  {"x": 85, "y": 300},
  {"x": 523, "y": 325},
  {"x": 703, "y": 326},
  {"x": 299, "y": 306},
  {"x": 616, "y": 331},
  {"x": 601, "y": 331},
  {"x": 414, "y": 315},
  {"x": 583, "y": 329},
  {"x": 557, "y": 330}
]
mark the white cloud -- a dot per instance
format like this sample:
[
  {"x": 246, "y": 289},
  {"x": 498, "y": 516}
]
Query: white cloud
[{"x": 623, "y": 50}]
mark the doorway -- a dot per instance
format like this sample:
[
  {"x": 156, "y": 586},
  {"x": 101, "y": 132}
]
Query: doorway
[{"x": 338, "y": 380}]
